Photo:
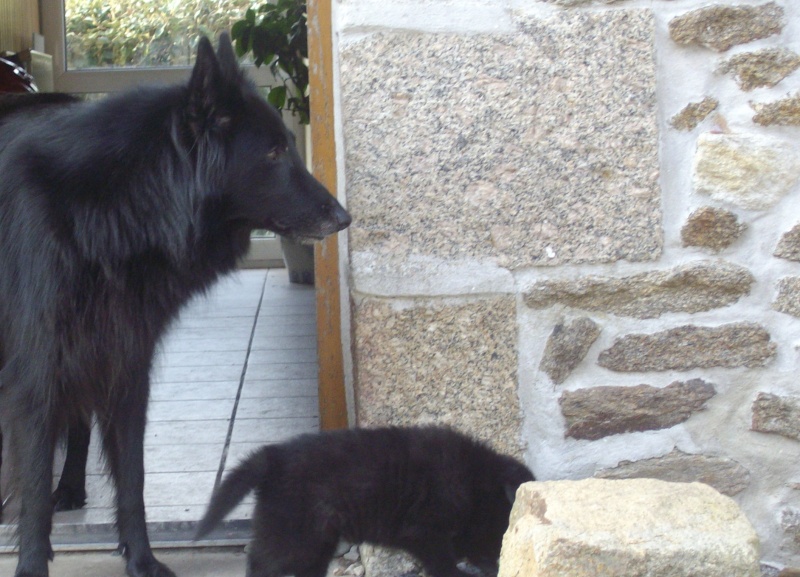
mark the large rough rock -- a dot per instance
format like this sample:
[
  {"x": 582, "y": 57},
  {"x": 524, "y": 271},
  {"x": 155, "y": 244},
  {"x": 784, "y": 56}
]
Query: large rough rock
[
  {"x": 719, "y": 27},
  {"x": 598, "y": 412},
  {"x": 567, "y": 346},
  {"x": 632, "y": 528},
  {"x": 689, "y": 347},
  {"x": 725, "y": 475},
  {"x": 776, "y": 414},
  {"x": 750, "y": 171},
  {"x": 691, "y": 288}
]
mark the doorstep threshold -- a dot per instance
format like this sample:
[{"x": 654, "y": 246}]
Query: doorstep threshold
[{"x": 163, "y": 535}]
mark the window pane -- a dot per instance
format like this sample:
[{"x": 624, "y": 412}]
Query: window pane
[{"x": 120, "y": 33}]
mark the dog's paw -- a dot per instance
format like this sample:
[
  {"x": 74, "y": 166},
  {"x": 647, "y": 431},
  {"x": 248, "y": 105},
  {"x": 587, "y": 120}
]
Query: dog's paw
[
  {"x": 148, "y": 567},
  {"x": 68, "y": 499},
  {"x": 21, "y": 572}
]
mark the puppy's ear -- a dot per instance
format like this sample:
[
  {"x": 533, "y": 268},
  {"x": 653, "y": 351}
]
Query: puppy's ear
[
  {"x": 511, "y": 493},
  {"x": 514, "y": 475},
  {"x": 207, "y": 106}
]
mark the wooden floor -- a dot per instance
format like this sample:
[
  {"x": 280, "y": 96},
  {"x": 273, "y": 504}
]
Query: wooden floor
[{"x": 237, "y": 371}]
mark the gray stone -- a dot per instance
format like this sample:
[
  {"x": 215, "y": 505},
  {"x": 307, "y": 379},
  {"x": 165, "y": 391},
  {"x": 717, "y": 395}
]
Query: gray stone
[
  {"x": 712, "y": 228},
  {"x": 750, "y": 171},
  {"x": 778, "y": 415},
  {"x": 598, "y": 412},
  {"x": 573, "y": 3},
  {"x": 764, "y": 68},
  {"x": 631, "y": 528},
  {"x": 784, "y": 112},
  {"x": 788, "y": 299},
  {"x": 694, "y": 114},
  {"x": 545, "y": 154},
  {"x": 725, "y": 475},
  {"x": 567, "y": 346},
  {"x": 689, "y": 347},
  {"x": 770, "y": 571},
  {"x": 694, "y": 287},
  {"x": 790, "y": 523},
  {"x": 719, "y": 27},
  {"x": 385, "y": 562},
  {"x": 789, "y": 245},
  {"x": 451, "y": 361}
]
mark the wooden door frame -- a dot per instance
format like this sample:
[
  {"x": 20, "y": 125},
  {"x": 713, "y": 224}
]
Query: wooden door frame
[{"x": 332, "y": 398}]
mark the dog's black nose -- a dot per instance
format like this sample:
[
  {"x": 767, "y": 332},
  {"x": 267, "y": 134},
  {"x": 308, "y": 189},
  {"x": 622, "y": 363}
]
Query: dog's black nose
[{"x": 342, "y": 217}]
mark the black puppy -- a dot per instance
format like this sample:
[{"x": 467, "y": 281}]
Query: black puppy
[
  {"x": 113, "y": 215},
  {"x": 430, "y": 491}
]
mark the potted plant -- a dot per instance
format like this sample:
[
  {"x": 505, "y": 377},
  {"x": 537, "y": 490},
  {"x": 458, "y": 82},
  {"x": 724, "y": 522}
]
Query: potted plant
[{"x": 276, "y": 35}]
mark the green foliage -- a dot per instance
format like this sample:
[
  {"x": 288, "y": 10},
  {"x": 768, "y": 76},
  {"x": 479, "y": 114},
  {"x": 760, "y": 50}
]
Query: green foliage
[
  {"x": 277, "y": 35},
  {"x": 102, "y": 33}
]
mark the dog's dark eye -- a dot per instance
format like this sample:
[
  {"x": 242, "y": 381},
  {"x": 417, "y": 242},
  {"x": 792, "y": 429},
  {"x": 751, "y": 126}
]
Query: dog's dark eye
[{"x": 276, "y": 151}]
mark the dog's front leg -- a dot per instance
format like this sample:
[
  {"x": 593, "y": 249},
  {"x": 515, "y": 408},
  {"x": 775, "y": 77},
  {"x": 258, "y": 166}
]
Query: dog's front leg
[
  {"x": 32, "y": 444},
  {"x": 124, "y": 445}
]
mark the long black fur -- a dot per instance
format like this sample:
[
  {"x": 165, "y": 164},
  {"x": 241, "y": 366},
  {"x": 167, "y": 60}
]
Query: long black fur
[
  {"x": 431, "y": 491},
  {"x": 71, "y": 491},
  {"x": 112, "y": 215}
]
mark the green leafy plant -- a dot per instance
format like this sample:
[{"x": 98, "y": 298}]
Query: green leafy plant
[
  {"x": 277, "y": 36},
  {"x": 105, "y": 33}
]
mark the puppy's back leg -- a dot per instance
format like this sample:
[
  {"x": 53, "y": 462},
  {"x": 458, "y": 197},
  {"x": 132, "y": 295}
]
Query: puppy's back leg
[
  {"x": 261, "y": 562},
  {"x": 436, "y": 555}
]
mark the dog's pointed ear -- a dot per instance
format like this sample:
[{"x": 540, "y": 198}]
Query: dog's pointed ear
[
  {"x": 207, "y": 105},
  {"x": 227, "y": 57},
  {"x": 206, "y": 72}
]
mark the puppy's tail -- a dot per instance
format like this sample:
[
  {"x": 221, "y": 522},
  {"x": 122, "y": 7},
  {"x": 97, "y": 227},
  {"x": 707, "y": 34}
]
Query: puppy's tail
[{"x": 235, "y": 487}]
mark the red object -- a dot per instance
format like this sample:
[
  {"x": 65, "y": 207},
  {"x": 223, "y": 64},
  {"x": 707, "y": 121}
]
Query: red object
[{"x": 13, "y": 78}]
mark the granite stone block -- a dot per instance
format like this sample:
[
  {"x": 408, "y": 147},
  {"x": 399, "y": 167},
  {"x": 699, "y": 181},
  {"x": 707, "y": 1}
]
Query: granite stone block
[
  {"x": 712, "y": 228},
  {"x": 725, "y": 475},
  {"x": 598, "y": 412},
  {"x": 693, "y": 287},
  {"x": 747, "y": 170},
  {"x": 762, "y": 68},
  {"x": 538, "y": 147},
  {"x": 742, "y": 344},
  {"x": 439, "y": 360},
  {"x": 720, "y": 27}
]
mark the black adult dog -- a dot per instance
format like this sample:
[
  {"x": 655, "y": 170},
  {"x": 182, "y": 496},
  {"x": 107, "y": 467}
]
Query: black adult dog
[
  {"x": 431, "y": 491},
  {"x": 71, "y": 491},
  {"x": 112, "y": 215}
]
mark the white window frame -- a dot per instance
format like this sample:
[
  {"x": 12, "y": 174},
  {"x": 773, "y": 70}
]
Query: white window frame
[{"x": 264, "y": 251}]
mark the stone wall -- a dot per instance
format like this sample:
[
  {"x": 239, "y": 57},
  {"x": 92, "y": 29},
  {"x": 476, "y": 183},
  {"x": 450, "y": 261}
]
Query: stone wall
[{"x": 577, "y": 234}]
